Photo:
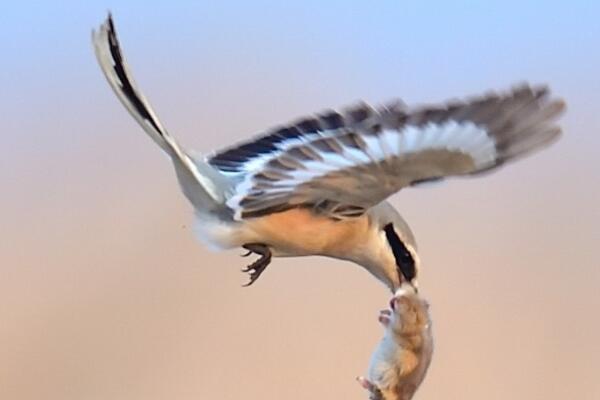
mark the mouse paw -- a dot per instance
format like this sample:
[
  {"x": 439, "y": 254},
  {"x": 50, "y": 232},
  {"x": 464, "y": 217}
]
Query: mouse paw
[
  {"x": 374, "y": 392},
  {"x": 365, "y": 383},
  {"x": 385, "y": 317}
]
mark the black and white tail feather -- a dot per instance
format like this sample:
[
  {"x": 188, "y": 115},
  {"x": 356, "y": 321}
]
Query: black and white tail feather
[
  {"x": 203, "y": 186},
  {"x": 342, "y": 164}
]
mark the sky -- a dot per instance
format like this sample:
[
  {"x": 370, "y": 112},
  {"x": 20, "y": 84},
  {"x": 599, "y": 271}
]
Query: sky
[{"x": 106, "y": 294}]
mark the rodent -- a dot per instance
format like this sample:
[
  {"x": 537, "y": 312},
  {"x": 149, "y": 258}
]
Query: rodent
[{"x": 400, "y": 361}]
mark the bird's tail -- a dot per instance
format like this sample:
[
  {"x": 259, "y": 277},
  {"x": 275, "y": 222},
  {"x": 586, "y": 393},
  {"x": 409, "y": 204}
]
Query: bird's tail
[{"x": 200, "y": 182}]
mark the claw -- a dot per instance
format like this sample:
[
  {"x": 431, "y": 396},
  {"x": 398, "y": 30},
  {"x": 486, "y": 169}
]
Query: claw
[
  {"x": 257, "y": 267},
  {"x": 246, "y": 255}
]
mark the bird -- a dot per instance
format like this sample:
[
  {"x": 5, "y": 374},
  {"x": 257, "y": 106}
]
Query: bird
[{"x": 319, "y": 186}]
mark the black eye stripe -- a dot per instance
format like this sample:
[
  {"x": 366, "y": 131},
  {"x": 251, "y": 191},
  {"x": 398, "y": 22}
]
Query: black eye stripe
[{"x": 404, "y": 260}]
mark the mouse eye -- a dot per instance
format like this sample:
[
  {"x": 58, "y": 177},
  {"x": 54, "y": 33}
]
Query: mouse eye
[{"x": 404, "y": 260}]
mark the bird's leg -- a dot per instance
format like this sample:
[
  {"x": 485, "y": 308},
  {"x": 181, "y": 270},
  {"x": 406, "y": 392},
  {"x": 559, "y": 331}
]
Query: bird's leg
[{"x": 258, "y": 266}]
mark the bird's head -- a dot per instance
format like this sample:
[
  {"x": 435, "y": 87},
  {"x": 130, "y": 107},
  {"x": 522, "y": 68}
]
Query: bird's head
[
  {"x": 405, "y": 259},
  {"x": 394, "y": 260}
]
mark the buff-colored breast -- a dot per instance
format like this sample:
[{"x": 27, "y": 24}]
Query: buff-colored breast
[{"x": 299, "y": 231}]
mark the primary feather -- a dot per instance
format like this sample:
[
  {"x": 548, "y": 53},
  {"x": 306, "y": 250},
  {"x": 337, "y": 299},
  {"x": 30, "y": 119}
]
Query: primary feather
[{"x": 344, "y": 163}]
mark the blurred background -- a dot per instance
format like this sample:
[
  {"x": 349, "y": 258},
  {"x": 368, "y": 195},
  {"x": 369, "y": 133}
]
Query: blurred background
[{"x": 105, "y": 293}]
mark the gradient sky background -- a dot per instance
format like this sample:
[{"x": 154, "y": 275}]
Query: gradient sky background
[{"x": 105, "y": 294}]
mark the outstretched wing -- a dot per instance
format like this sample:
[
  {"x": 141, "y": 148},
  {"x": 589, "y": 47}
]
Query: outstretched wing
[{"x": 343, "y": 163}]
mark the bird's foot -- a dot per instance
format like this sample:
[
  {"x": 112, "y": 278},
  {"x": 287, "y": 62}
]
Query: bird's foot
[{"x": 257, "y": 267}]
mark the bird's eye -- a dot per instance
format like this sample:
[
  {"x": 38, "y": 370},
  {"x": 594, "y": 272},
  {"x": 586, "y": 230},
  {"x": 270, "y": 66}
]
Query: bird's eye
[{"x": 404, "y": 260}]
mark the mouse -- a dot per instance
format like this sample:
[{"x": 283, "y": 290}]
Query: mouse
[{"x": 401, "y": 359}]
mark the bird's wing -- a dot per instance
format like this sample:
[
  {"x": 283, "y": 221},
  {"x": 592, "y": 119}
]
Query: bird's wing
[{"x": 341, "y": 164}]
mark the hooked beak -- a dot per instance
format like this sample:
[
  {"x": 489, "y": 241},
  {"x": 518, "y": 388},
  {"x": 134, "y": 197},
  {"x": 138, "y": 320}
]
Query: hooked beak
[{"x": 414, "y": 285}]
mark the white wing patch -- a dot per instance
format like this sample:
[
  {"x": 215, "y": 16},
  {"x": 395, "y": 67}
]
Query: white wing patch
[
  {"x": 464, "y": 137},
  {"x": 340, "y": 164}
]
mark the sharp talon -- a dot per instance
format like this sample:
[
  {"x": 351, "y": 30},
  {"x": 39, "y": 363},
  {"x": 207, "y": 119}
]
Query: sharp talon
[
  {"x": 247, "y": 254},
  {"x": 257, "y": 267}
]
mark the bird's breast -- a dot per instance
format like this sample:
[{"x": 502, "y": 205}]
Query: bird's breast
[{"x": 300, "y": 232}]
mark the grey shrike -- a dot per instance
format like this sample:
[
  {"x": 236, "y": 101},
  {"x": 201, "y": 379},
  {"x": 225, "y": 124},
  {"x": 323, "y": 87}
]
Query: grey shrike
[{"x": 319, "y": 186}]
